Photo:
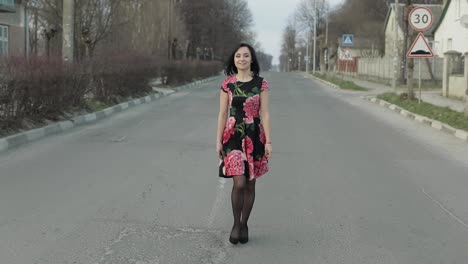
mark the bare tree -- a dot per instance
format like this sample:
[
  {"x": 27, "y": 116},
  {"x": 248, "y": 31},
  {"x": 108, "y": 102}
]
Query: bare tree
[
  {"x": 45, "y": 26},
  {"x": 312, "y": 16},
  {"x": 288, "y": 48},
  {"x": 94, "y": 20},
  {"x": 144, "y": 26},
  {"x": 219, "y": 24}
]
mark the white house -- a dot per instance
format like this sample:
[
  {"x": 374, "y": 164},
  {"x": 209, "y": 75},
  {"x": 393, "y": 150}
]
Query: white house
[
  {"x": 451, "y": 33},
  {"x": 451, "y": 36}
]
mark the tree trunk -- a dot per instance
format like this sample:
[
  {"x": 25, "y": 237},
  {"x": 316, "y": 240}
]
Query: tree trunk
[{"x": 35, "y": 36}]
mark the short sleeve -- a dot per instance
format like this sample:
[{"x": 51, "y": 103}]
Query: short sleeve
[
  {"x": 224, "y": 87},
  {"x": 265, "y": 86}
]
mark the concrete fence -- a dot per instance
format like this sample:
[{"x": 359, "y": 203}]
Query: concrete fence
[
  {"x": 455, "y": 74},
  {"x": 381, "y": 68}
]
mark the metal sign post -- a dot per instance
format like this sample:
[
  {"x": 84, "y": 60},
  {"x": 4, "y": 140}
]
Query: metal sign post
[{"x": 419, "y": 80}]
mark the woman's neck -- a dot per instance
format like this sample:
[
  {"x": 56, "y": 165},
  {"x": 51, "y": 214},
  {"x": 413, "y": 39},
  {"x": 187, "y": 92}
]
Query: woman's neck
[{"x": 244, "y": 75}]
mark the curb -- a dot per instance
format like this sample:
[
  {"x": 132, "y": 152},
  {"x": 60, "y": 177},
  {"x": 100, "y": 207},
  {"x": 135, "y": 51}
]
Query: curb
[
  {"x": 459, "y": 133},
  {"x": 325, "y": 82},
  {"x": 22, "y": 138}
]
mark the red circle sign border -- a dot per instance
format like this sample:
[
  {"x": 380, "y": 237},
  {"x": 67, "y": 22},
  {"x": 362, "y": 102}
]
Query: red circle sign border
[{"x": 415, "y": 9}]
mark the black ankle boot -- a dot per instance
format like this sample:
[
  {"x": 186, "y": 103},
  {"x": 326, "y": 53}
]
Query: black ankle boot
[
  {"x": 244, "y": 235},
  {"x": 233, "y": 240}
]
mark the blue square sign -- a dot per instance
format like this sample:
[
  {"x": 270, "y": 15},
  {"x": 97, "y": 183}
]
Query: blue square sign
[{"x": 348, "y": 40}]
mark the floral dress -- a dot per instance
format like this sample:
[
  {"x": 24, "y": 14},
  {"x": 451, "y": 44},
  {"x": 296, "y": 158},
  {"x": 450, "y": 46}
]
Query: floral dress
[{"x": 243, "y": 149}]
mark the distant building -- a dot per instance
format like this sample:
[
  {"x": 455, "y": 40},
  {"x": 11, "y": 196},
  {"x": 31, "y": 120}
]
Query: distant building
[
  {"x": 362, "y": 47},
  {"x": 12, "y": 28},
  {"x": 346, "y": 56}
]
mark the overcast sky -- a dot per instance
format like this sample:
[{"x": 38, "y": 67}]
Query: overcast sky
[{"x": 270, "y": 18}]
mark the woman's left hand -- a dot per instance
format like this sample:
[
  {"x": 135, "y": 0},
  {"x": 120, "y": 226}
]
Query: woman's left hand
[{"x": 268, "y": 151}]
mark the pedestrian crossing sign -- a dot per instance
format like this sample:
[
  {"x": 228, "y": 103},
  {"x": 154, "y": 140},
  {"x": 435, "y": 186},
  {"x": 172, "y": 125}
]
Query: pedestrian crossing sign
[{"x": 348, "y": 40}]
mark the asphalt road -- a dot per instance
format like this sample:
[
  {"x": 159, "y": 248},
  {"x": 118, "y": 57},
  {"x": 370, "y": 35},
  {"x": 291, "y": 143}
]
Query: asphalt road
[{"x": 349, "y": 182}]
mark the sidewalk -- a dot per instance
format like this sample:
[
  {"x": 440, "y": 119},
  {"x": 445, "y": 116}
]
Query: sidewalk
[{"x": 433, "y": 96}]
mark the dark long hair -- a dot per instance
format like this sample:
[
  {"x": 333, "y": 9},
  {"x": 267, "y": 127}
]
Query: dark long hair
[{"x": 231, "y": 68}]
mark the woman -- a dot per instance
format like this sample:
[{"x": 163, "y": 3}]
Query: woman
[{"x": 243, "y": 135}]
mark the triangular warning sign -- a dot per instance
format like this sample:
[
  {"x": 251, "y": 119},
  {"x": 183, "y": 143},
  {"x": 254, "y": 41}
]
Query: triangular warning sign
[
  {"x": 420, "y": 48},
  {"x": 348, "y": 40},
  {"x": 347, "y": 55}
]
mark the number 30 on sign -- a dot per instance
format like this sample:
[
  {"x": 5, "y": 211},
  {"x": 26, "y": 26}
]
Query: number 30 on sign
[{"x": 420, "y": 18}]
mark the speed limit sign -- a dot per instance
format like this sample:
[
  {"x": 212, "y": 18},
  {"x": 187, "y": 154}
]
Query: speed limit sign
[{"x": 420, "y": 18}]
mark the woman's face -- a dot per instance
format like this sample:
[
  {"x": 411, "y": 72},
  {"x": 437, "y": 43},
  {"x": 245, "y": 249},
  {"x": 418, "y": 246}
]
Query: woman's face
[{"x": 243, "y": 59}]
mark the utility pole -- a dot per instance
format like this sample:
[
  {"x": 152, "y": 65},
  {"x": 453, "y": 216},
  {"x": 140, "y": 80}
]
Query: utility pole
[
  {"x": 405, "y": 44},
  {"x": 326, "y": 26},
  {"x": 395, "y": 43},
  {"x": 410, "y": 37},
  {"x": 26, "y": 29},
  {"x": 307, "y": 51},
  {"x": 315, "y": 36},
  {"x": 326, "y": 41},
  {"x": 68, "y": 30},
  {"x": 169, "y": 30}
]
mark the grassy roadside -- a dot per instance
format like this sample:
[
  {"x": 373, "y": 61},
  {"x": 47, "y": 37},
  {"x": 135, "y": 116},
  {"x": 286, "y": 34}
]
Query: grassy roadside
[
  {"x": 343, "y": 84},
  {"x": 442, "y": 114},
  {"x": 95, "y": 105}
]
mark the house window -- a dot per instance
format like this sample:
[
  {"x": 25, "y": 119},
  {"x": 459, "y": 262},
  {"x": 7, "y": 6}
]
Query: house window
[
  {"x": 3, "y": 40},
  {"x": 449, "y": 44},
  {"x": 7, "y": 5}
]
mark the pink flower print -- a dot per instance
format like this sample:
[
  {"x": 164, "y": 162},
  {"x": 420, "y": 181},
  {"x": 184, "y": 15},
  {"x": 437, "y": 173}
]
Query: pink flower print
[
  {"x": 247, "y": 145},
  {"x": 265, "y": 86},
  {"x": 261, "y": 167},
  {"x": 230, "y": 79},
  {"x": 251, "y": 108},
  {"x": 234, "y": 163},
  {"x": 229, "y": 129}
]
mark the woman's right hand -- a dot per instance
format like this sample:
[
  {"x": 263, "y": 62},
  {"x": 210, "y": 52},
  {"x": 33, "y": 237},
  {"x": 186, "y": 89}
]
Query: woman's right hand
[{"x": 219, "y": 149}]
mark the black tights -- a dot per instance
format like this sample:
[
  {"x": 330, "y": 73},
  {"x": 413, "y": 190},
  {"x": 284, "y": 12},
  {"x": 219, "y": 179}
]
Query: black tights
[{"x": 242, "y": 198}]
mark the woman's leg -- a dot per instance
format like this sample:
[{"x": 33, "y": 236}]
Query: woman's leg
[
  {"x": 237, "y": 199},
  {"x": 249, "y": 199}
]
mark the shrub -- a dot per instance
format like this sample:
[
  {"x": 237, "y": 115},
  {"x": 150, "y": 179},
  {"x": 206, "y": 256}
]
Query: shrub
[
  {"x": 39, "y": 88},
  {"x": 180, "y": 72},
  {"x": 121, "y": 76}
]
